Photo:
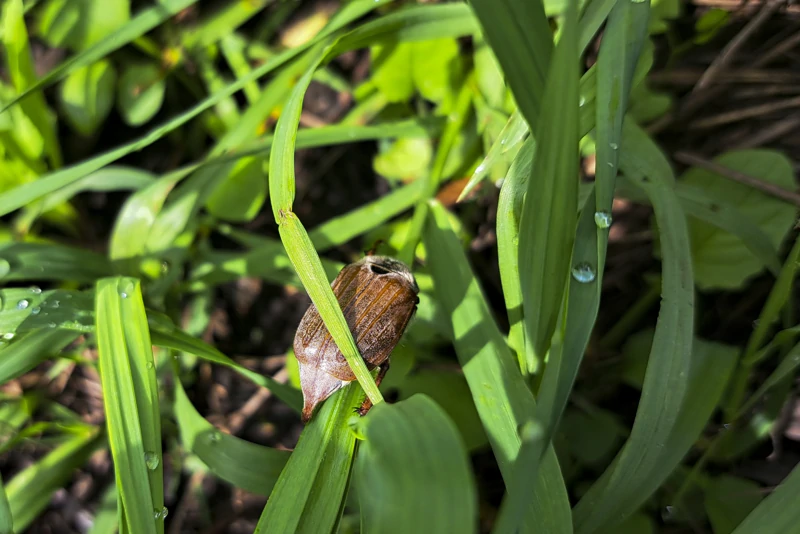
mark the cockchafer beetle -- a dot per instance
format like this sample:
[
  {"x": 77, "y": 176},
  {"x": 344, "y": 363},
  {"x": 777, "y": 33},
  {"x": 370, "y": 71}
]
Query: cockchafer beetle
[{"x": 378, "y": 296}]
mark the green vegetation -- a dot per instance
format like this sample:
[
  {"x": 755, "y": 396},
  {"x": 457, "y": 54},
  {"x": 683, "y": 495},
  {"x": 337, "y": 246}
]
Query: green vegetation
[{"x": 204, "y": 105}]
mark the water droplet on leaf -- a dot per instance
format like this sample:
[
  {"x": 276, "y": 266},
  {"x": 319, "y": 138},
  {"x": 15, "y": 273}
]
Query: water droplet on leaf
[
  {"x": 583, "y": 273},
  {"x": 23, "y": 304},
  {"x": 36, "y": 290},
  {"x": 602, "y": 219},
  {"x": 36, "y": 310},
  {"x": 151, "y": 460},
  {"x": 5, "y": 267},
  {"x": 8, "y": 336}
]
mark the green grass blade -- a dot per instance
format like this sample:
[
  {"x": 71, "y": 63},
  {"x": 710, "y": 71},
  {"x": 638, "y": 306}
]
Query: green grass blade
[
  {"x": 520, "y": 36},
  {"x": 299, "y": 247},
  {"x": 547, "y": 221},
  {"x": 143, "y": 22},
  {"x": 778, "y": 512},
  {"x": 245, "y": 465},
  {"x": 171, "y": 337},
  {"x": 412, "y": 23},
  {"x": 44, "y": 261},
  {"x": 315, "y": 477},
  {"x": 30, "y": 349},
  {"x": 593, "y": 16},
  {"x": 6, "y": 520},
  {"x": 130, "y": 398},
  {"x": 501, "y": 397},
  {"x": 30, "y": 491},
  {"x": 640, "y": 468},
  {"x": 785, "y": 369},
  {"x": 342, "y": 229},
  {"x": 412, "y": 473}
]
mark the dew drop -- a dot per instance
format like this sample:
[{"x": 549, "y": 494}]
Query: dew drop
[
  {"x": 160, "y": 514},
  {"x": 123, "y": 294},
  {"x": 9, "y": 336},
  {"x": 36, "y": 310},
  {"x": 583, "y": 273},
  {"x": 149, "y": 365},
  {"x": 602, "y": 219},
  {"x": 610, "y": 164},
  {"x": 164, "y": 267},
  {"x": 614, "y": 146},
  {"x": 36, "y": 290},
  {"x": 215, "y": 436},
  {"x": 582, "y": 101},
  {"x": 52, "y": 325},
  {"x": 55, "y": 304},
  {"x": 23, "y": 304},
  {"x": 5, "y": 267},
  {"x": 151, "y": 460}
]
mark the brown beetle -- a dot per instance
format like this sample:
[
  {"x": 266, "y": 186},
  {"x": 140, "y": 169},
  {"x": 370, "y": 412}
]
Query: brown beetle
[{"x": 378, "y": 296}]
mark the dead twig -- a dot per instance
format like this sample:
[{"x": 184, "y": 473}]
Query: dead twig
[
  {"x": 746, "y": 113},
  {"x": 765, "y": 187}
]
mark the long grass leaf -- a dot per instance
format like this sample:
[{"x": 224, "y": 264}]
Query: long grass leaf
[
  {"x": 547, "y": 221},
  {"x": 502, "y": 399},
  {"x": 413, "y": 457},
  {"x": 778, "y": 512},
  {"x": 130, "y": 398},
  {"x": 646, "y": 460}
]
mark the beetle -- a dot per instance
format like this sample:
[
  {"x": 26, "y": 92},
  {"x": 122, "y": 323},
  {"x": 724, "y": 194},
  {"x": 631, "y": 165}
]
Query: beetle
[{"x": 378, "y": 296}]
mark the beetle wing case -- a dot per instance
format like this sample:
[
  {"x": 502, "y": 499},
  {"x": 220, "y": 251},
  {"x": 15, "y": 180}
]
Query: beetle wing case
[{"x": 378, "y": 296}]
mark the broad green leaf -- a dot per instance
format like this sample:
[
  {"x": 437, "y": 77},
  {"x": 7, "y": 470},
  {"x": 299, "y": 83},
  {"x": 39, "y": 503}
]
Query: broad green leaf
[
  {"x": 663, "y": 412},
  {"x": 729, "y": 500},
  {"x": 43, "y": 261},
  {"x": 23, "y": 75},
  {"x": 79, "y": 24},
  {"x": 105, "y": 519},
  {"x": 245, "y": 465},
  {"x": 499, "y": 392},
  {"x": 242, "y": 194},
  {"x": 547, "y": 222},
  {"x": 721, "y": 261},
  {"x": 140, "y": 93},
  {"x": 451, "y": 392},
  {"x": 30, "y": 491},
  {"x": 778, "y": 512},
  {"x": 519, "y": 34},
  {"x": 412, "y": 473},
  {"x": 406, "y": 159},
  {"x": 87, "y": 96},
  {"x": 130, "y": 398},
  {"x": 392, "y": 71},
  {"x": 309, "y": 494},
  {"x": 436, "y": 68}
]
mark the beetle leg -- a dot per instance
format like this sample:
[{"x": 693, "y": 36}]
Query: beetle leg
[{"x": 367, "y": 404}]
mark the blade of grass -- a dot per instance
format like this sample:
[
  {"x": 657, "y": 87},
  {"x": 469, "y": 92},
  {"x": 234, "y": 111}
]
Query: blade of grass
[
  {"x": 501, "y": 396},
  {"x": 778, "y": 512},
  {"x": 45, "y": 261},
  {"x": 640, "y": 468},
  {"x": 6, "y": 520},
  {"x": 30, "y": 349},
  {"x": 30, "y": 491},
  {"x": 547, "y": 221},
  {"x": 172, "y": 338},
  {"x": 314, "y": 479},
  {"x": 130, "y": 398},
  {"x": 299, "y": 248},
  {"x": 245, "y": 465},
  {"x": 412, "y": 456}
]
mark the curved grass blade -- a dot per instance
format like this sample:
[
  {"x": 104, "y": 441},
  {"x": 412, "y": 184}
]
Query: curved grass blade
[
  {"x": 412, "y": 457},
  {"x": 30, "y": 491},
  {"x": 45, "y": 261},
  {"x": 309, "y": 493},
  {"x": 130, "y": 398},
  {"x": 547, "y": 221},
  {"x": 412, "y": 23},
  {"x": 30, "y": 349},
  {"x": 6, "y": 521},
  {"x": 641, "y": 467},
  {"x": 245, "y": 465},
  {"x": 299, "y": 248},
  {"x": 173, "y": 338},
  {"x": 143, "y": 22},
  {"x": 501, "y": 396}
]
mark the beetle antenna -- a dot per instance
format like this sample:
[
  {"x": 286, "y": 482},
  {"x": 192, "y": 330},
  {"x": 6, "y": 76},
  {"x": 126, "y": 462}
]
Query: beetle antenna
[{"x": 374, "y": 249}]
